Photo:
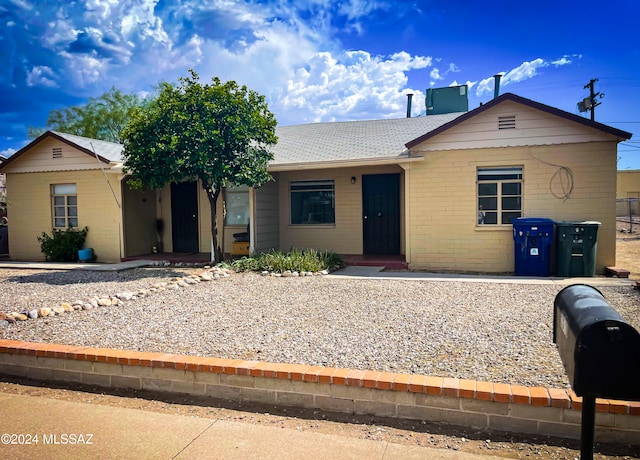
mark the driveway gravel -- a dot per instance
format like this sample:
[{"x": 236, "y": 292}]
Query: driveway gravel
[{"x": 483, "y": 331}]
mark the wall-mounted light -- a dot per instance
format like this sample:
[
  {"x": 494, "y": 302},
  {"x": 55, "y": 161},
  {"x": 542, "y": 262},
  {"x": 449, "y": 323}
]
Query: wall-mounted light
[{"x": 353, "y": 179}]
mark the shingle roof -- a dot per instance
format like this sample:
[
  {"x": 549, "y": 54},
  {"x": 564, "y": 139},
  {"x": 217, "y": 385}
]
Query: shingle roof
[
  {"x": 107, "y": 150},
  {"x": 351, "y": 140}
]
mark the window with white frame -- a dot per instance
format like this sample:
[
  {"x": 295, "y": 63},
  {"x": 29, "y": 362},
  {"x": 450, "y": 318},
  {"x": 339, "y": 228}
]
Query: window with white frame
[
  {"x": 64, "y": 200},
  {"x": 312, "y": 202},
  {"x": 499, "y": 195},
  {"x": 236, "y": 205}
]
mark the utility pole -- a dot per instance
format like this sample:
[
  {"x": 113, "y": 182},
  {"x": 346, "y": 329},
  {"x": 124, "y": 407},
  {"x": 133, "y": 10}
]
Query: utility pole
[{"x": 590, "y": 103}]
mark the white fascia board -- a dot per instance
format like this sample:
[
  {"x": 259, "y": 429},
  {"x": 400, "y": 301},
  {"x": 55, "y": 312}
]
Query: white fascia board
[{"x": 342, "y": 163}]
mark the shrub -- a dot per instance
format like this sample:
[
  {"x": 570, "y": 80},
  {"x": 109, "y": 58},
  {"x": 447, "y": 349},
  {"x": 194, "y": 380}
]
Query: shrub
[
  {"x": 299, "y": 260},
  {"x": 63, "y": 245}
]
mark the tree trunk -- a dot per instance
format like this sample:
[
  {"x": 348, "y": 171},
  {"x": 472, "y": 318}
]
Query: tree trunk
[{"x": 212, "y": 195}]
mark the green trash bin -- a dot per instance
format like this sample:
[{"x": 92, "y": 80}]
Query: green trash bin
[{"x": 576, "y": 245}]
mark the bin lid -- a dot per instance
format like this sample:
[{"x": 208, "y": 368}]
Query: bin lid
[
  {"x": 531, "y": 221},
  {"x": 583, "y": 223}
]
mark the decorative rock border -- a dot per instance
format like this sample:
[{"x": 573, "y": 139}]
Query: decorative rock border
[
  {"x": 468, "y": 403},
  {"x": 211, "y": 273}
]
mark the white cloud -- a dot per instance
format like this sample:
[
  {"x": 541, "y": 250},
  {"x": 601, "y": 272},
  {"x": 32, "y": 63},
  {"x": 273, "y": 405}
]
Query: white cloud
[
  {"x": 566, "y": 59},
  {"x": 7, "y": 152},
  {"x": 437, "y": 76},
  {"x": 524, "y": 71},
  {"x": 85, "y": 69},
  {"x": 351, "y": 85},
  {"x": 42, "y": 76},
  {"x": 485, "y": 86},
  {"x": 470, "y": 84}
]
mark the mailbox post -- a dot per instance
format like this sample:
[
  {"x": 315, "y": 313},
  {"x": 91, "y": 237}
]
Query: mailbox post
[{"x": 600, "y": 353}]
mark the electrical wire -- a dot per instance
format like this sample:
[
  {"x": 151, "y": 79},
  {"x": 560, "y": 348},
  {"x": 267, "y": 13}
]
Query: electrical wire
[
  {"x": 105, "y": 175},
  {"x": 564, "y": 175}
]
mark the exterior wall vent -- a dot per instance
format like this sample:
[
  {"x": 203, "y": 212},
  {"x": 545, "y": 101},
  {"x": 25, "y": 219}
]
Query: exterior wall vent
[
  {"x": 508, "y": 122},
  {"x": 57, "y": 152}
]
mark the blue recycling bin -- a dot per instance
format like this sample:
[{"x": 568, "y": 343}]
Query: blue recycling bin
[{"x": 533, "y": 238}]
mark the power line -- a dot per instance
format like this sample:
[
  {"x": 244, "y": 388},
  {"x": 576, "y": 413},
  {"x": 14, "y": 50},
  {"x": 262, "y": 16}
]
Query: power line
[{"x": 590, "y": 102}]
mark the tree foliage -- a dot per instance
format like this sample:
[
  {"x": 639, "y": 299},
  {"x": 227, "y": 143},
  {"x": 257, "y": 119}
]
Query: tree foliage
[
  {"x": 219, "y": 133},
  {"x": 102, "y": 117}
]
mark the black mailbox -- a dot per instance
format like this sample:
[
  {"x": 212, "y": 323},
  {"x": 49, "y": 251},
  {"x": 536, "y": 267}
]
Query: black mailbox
[{"x": 599, "y": 350}]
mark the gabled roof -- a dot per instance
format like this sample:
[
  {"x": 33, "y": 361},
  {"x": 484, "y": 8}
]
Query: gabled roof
[
  {"x": 351, "y": 140},
  {"x": 623, "y": 135},
  {"x": 107, "y": 152}
]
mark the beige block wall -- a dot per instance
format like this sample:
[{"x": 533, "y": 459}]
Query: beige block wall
[
  {"x": 443, "y": 233},
  {"x": 29, "y": 203},
  {"x": 345, "y": 237}
]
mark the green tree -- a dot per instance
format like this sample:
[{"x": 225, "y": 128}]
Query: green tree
[
  {"x": 219, "y": 133},
  {"x": 101, "y": 117}
]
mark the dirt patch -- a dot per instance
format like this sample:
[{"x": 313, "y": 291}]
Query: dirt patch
[
  {"x": 406, "y": 432},
  {"x": 628, "y": 247}
]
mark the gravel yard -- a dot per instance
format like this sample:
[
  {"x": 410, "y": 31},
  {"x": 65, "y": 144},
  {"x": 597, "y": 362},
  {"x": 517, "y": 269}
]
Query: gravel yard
[{"x": 483, "y": 331}]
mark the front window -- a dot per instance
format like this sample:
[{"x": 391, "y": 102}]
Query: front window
[
  {"x": 312, "y": 202},
  {"x": 237, "y": 205},
  {"x": 65, "y": 205},
  {"x": 499, "y": 195}
]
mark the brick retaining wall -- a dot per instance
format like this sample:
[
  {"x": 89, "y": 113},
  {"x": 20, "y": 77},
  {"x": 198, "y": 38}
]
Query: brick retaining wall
[{"x": 467, "y": 403}]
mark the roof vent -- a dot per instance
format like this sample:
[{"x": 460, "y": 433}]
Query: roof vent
[
  {"x": 57, "y": 152},
  {"x": 508, "y": 122}
]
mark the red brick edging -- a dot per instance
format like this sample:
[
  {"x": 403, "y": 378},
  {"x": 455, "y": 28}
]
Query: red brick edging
[{"x": 413, "y": 383}]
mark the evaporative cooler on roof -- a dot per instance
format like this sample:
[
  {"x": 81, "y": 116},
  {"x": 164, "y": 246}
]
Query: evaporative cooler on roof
[{"x": 447, "y": 100}]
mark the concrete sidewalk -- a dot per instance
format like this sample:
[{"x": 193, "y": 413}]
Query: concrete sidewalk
[
  {"x": 78, "y": 266},
  {"x": 68, "y": 430},
  {"x": 353, "y": 271}
]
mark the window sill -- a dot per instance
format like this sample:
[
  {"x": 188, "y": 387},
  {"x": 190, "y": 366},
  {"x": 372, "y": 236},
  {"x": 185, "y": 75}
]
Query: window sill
[
  {"x": 494, "y": 228},
  {"x": 299, "y": 226}
]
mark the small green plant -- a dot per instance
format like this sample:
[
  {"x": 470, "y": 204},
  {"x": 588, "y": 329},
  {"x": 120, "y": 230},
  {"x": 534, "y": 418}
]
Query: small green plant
[
  {"x": 307, "y": 260},
  {"x": 63, "y": 245}
]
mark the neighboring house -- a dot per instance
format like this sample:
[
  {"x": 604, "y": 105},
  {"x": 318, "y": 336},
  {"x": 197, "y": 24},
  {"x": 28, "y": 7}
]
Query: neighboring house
[
  {"x": 440, "y": 189},
  {"x": 628, "y": 192},
  {"x": 3, "y": 185},
  {"x": 628, "y": 183},
  {"x": 3, "y": 196}
]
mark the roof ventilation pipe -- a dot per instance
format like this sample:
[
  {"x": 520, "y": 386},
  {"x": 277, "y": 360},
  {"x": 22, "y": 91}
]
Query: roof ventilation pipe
[
  {"x": 496, "y": 85},
  {"x": 409, "y": 97}
]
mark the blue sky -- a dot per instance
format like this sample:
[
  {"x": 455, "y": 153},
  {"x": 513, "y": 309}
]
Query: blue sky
[{"x": 318, "y": 60}]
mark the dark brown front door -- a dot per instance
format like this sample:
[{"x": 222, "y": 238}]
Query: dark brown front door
[
  {"x": 381, "y": 214},
  {"x": 184, "y": 216}
]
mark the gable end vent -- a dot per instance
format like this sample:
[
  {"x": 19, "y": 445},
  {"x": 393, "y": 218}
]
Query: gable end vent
[
  {"x": 508, "y": 122},
  {"x": 57, "y": 152}
]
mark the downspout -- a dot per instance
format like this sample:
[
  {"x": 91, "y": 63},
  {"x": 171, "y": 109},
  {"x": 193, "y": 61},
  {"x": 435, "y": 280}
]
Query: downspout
[
  {"x": 496, "y": 85},
  {"x": 408, "y": 246}
]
